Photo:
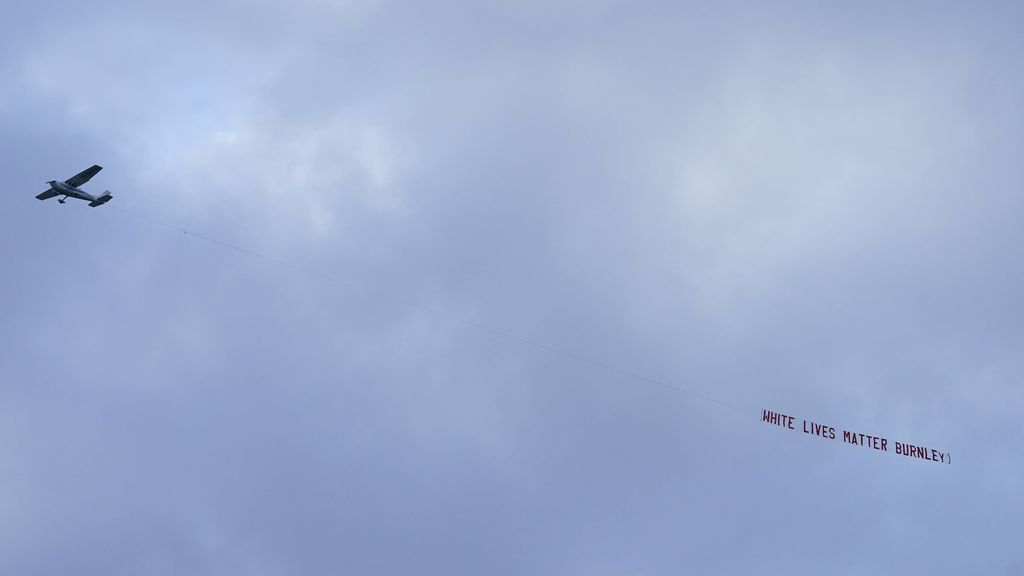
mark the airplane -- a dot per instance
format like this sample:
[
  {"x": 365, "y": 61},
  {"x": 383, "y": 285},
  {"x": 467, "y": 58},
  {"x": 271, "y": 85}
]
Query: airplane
[{"x": 70, "y": 187}]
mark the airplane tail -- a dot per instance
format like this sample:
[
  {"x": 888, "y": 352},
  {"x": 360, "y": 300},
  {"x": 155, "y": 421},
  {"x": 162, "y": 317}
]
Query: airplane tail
[{"x": 101, "y": 200}]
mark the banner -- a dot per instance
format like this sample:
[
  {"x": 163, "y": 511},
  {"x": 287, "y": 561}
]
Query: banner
[{"x": 880, "y": 443}]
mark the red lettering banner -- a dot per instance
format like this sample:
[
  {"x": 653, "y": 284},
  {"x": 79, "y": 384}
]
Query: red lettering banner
[{"x": 879, "y": 443}]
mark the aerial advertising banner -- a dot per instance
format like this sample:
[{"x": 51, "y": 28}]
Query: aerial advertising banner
[{"x": 880, "y": 443}]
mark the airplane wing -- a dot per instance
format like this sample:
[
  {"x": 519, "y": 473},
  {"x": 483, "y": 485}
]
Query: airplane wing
[
  {"x": 48, "y": 194},
  {"x": 83, "y": 176}
]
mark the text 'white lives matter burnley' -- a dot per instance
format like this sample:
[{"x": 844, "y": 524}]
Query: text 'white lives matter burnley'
[{"x": 880, "y": 443}]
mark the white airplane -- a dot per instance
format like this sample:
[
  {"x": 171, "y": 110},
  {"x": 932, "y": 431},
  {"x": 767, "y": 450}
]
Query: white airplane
[{"x": 70, "y": 188}]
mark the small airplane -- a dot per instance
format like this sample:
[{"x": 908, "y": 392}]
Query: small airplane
[{"x": 70, "y": 187}]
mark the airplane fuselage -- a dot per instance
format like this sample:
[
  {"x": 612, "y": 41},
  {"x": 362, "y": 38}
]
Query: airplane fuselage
[
  {"x": 62, "y": 188},
  {"x": 71, "y": 188}
]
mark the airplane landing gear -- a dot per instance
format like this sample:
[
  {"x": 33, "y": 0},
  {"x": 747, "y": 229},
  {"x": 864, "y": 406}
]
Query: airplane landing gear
[{"x": 61, "y": 200}]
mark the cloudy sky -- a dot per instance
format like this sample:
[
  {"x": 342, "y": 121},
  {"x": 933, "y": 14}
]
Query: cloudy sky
[{"x": 680, "y": 213}]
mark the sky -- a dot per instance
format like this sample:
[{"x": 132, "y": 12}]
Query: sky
[{"x": 525, "y": 276}]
